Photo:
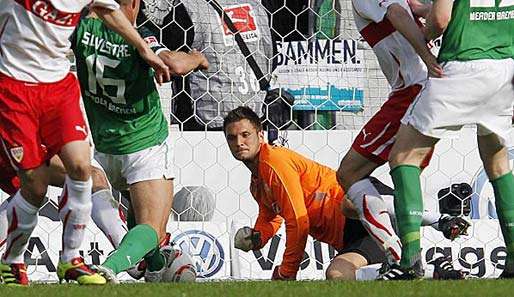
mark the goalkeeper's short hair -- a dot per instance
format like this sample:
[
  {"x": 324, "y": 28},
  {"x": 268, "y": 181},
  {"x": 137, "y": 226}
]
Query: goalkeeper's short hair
[{"x": 242, "y": 113}]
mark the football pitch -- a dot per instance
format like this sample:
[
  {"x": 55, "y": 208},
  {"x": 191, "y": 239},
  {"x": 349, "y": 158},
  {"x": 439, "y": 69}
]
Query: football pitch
[{"x": 277, "y": 289}]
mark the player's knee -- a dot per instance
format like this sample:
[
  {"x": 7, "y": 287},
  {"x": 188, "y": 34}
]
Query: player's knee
[
  {"x": 79, "y": 170},
  {"x": 351, "y": 170},
  {"x": 99, "y": 179},
  {"x": 344, "y": 175},
  {"x": 34, "y": 186},
  {"x": 344, "y": 270}
]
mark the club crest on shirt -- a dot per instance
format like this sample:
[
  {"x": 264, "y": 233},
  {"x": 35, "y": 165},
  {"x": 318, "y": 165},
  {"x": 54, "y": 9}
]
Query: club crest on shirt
[{"x": 17, "y": 153}]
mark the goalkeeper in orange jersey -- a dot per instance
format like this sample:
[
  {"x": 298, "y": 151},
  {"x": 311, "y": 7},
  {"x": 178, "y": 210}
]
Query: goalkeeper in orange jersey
[{"x": 307, "y": 197}]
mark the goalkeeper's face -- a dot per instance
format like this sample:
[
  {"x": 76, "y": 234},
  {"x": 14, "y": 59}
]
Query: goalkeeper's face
[{"x": 244, "y": 141}]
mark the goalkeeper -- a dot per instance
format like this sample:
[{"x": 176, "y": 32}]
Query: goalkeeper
[
  {"x": 306, "y": 195},
  {"x": 130, "y": 132}
]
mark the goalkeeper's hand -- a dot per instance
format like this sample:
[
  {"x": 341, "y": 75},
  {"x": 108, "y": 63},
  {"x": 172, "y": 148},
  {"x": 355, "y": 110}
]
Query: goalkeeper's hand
[
  {"x": 277, "y": 275},
  {"x": 453, "y": 227},
  {"x": 247, "y": 239}
]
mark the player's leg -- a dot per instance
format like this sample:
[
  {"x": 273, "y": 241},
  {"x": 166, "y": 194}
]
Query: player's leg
[
  {"x": 22, "y": 216},
  {"x": 368, "y": 202},
  {"x": 21, "y": 144},
  {"x": 494, "y": 155},
  {"x": 451, "y": 226},
  {"x": 406, "y": 157},
  {"x": 63, "y": 131},
  {"x": 105, "y": 212},
  {"x": 360, "y": 250},
  {"x": 149, "y": 173},
  {"x": 155, "y": 259},
  {"x": 344, "y": 267},
  {"x": 370, "y": 150},
  {"x": 149, "y": 202}
]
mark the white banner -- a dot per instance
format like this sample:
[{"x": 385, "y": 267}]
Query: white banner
[{"x": 322, "y": 74}]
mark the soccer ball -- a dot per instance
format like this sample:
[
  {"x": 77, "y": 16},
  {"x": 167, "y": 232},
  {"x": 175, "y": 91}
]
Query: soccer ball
[{"x": 180, "y": 267}]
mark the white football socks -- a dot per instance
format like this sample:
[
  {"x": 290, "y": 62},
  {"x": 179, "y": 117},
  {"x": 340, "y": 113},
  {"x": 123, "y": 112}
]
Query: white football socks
[
  {"x": 3, "y": 222},
  {"x": 107, "y": 217},
  {"x": 374, "y": 216},
  {"x": 74, "y": 211},
  {"x": 22, "y": 219}
]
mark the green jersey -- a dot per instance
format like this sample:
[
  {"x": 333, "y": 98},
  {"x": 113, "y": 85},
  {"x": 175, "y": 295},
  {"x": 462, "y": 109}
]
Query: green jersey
[
  {"x": 118, "y": 90},
  {"x": 479, "y": 29}
]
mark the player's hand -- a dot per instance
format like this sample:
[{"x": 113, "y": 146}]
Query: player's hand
[
  {"x": 453, "y": 227},
  {"x": 433, "y": 67},
  {"x": 247, "y": 239},
  {"x": 277, "y": 275},
  {"x": 162, "y": 72},
  {"x": 203, "y": 63}
]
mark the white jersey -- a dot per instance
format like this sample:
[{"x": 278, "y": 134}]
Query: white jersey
[
  {"x": 398, "y": 60},
  {"x": 34, "y": 37}
]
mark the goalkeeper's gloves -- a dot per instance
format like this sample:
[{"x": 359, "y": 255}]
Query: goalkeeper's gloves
[
  {"x": 277, "y": 275},
  {"x": 247, "y": 239},
  {"x": 453, "y": 227}
]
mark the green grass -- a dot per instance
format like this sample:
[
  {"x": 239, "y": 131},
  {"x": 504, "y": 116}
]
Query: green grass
[{"x": 276, "y": 289}]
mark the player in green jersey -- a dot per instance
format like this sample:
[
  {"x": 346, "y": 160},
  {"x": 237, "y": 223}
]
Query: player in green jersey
[
  {"x": 130, "y": 132},
  {"x": 476, "y": 88}
]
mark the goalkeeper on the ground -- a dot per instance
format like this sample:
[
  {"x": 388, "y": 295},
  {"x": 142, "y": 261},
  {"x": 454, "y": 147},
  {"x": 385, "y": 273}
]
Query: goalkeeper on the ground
[{"x": 306, "y": 196}]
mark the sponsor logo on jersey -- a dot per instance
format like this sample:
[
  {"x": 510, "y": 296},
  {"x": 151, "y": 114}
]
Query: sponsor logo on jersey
[
  {"x": 17, "y": 153},
  {"x": 206, "y": 250},
  {"x": 243, "y": 19},
  {"x": 45, "y": 10}
]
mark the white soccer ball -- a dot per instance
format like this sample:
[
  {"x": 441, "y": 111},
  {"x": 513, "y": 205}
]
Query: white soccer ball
[{"x": 180, "y": 267}]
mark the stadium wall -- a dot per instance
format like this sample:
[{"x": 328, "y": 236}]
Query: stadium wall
[{"x": 202, "y": 158}]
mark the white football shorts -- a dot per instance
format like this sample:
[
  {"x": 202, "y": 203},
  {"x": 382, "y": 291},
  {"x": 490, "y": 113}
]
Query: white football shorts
[
  {"x": 155, "y": 162},
  {"x": 477, "y": 92}
]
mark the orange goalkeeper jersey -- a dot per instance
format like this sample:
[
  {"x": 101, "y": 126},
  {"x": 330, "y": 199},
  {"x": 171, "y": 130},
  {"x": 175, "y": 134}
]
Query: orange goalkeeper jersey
[{"x": 304, "y": 194}]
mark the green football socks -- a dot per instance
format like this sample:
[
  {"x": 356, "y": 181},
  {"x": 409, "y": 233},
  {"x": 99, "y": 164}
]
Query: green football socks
[
  {"x": 138, "y": 242},
  {"x": 408, "y": 204},
  {"x": 154, "y": 259},
  {"x": 504, "y": 199}
]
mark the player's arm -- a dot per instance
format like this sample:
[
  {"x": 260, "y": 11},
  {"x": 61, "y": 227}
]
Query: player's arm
[
  {"x": 405, "y": 24},
  {"x": 287, "y": 190},
  {"x": 438, "y": 18},
  {"x": 267, "y": 225},
  {"x": 419, "y": 8},
  {"x": 117, "y": 21},
  {"x": 180, "y": 63}
]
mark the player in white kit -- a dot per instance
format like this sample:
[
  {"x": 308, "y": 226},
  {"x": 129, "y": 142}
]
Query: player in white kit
[
  {"x": 392, "y": 31},
  {"x": 39, "y": 108}
]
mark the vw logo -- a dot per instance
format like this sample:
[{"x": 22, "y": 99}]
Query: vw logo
[{"x": 206, "y": 250}]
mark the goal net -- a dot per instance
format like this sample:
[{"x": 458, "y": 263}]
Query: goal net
[{"x": 311, "y": 49}]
